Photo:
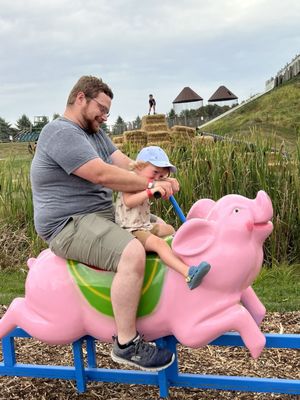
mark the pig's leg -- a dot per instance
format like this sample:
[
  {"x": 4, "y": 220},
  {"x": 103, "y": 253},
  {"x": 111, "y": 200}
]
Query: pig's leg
[
  {"x": 10, "y": 320},
  {"x": 249, "y": 331},
  {"x": 235, "y": 318},
  {"x": 19, "y": 314},
  {"x": 253, "y": 305}
]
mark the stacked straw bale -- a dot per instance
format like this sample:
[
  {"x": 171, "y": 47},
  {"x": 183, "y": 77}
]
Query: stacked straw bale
[
  {"x": 118, "y": 141},
  {"x": 182, "y": 134},
  {"x": 137, "y": 137},
  {"x": 157, "y": 129},
  {"x": 203, "y": 140},
  {"x": 155, "y": 132}
]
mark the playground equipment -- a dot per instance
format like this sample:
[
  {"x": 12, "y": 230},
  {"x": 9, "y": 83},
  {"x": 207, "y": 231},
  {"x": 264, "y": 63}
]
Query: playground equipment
[{"x": 68, "y": 302}]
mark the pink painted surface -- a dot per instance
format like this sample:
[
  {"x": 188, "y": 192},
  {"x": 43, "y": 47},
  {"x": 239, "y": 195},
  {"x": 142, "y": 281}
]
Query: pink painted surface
[{"x": 229, "y": 234}]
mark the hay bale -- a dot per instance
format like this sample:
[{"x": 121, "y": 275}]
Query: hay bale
[
  {"x": 135, "y": 133},
  {"x": 182, "y": 134},
  {"x": 156, "y": 127},
  {"x": 138, "y": 137},
  {"x": 149, "y": 120},
  {"x": 203, "y": 140},
  {"x": 118, "y": 139},
  {"x": 185, "y": 129},
  {"x": 159, "y": 135},
  {"x": 119, "y": 146}
]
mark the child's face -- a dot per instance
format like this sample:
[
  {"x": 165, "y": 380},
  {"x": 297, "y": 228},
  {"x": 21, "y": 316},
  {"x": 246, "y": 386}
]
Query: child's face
[{"x": 155, "y": 173}]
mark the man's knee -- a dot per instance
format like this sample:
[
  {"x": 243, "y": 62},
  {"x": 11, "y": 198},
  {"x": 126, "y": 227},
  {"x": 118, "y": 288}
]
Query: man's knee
[{"x": 133, "y": 257}]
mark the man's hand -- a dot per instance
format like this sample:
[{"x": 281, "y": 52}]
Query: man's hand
[
  {"x": 167, "y": 187},
  {"x": 174, "y": 183}
]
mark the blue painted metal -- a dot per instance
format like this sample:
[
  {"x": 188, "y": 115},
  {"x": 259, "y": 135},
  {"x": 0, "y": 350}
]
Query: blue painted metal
[
  {"x": 91, "y": 352},
  {"x": 177, "y": 209},
  {"x": 163, "y": 380},
  {"x": 79, "y": 365}
]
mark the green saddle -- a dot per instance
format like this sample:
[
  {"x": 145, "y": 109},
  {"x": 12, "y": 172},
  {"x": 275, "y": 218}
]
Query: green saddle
[{"x": 95, "y": 284}]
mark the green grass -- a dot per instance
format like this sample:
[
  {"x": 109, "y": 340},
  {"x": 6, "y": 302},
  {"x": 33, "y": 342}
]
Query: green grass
[
  {"x": 12, "y": 285},
  {"x": 15, "y": 149},
  {"x": 278, "y": 287}
]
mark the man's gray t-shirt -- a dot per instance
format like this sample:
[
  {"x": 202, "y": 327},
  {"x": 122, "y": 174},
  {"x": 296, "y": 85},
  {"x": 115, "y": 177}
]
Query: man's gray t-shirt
[{"x": 58, "y": 194}]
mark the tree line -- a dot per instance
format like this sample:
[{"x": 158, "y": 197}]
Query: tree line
[{"x": 24, "y": 124}]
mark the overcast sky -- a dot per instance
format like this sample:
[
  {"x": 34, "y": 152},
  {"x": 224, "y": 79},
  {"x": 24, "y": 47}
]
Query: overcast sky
[{"x": 138, "y": 48}]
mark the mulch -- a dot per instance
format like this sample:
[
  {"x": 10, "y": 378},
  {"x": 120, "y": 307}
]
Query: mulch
[{"x": 273, "y": 363}]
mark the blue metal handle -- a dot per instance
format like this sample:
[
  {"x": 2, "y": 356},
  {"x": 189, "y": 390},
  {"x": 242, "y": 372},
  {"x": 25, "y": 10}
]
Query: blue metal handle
[{"x": 177, "y": 209}]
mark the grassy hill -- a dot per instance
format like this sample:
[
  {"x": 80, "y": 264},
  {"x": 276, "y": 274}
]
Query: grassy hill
[
  {"x": 274, "y": 114},
  {"x": 15, "y": 149}
]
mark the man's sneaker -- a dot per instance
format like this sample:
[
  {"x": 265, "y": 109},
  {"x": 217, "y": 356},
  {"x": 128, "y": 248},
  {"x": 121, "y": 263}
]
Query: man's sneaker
[
  {"x": 144, "y": 355},
  {"x": 196, "y": 274}
]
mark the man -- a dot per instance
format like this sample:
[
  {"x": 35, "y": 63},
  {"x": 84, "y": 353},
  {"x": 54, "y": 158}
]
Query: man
[{"x": 73, "y": 173}]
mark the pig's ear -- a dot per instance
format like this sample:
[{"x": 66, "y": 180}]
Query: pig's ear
[
  {"x": 201, "y": 208},
  {"x": 194, "y": 237}
]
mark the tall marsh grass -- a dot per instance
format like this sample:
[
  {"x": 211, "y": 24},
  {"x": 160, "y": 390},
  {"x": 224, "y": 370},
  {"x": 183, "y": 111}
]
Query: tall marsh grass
[
  {"x": 204, "y": 171},
  {"x": 226, "y": 167},
  {"x": 16, "y": 210}
]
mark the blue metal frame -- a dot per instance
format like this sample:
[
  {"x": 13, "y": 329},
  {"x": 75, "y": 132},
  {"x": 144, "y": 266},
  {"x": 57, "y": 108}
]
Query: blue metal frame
[{"x": 165, "y": 379}]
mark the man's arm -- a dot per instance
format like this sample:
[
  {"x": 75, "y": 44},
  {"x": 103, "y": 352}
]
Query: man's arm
[
  {"x": 115, "y": 178},
  {"x": 99, "y": 172},
  {"x": 120, "y": 159}
]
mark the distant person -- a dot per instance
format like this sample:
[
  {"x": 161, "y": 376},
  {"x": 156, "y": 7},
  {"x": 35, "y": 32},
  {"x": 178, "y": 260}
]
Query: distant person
[
  {"x": 152, "y": 104},
  {"x": 133, "y": 214}
]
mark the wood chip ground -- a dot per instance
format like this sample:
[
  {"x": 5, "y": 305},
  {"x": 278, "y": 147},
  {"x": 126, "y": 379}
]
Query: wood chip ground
[{"x": 273, "y": 363}]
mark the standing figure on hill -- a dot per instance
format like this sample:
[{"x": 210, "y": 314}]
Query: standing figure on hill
[
  {"x": 133, "y": 214},
  {"x": 152, "y": 104}
]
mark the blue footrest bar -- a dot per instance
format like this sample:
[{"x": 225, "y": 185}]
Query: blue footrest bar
[{"x": 170, "y": 377}]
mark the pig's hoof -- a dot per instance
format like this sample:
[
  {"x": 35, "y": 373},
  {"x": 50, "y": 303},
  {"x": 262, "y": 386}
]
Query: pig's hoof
[{"x": 258, "y": 348}]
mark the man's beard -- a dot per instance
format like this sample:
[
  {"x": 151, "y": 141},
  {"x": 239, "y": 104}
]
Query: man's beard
[{"x": 90, "y": 126}]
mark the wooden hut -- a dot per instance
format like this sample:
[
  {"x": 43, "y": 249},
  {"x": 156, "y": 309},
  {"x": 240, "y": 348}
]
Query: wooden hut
[
  {"x": 223, "y": 97},
  {"x": 187, "y": 100}
]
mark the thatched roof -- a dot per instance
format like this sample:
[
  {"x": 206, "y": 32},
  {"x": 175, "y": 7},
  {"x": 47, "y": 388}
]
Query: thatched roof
[
  {"x": 222, "y": 94},
  {"x": 187, "y": 95}
]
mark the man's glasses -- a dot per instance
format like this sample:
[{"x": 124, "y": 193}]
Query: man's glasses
[{"x": 102, "y": 109}]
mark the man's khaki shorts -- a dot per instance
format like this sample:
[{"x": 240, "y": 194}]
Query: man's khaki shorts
[{"x": 92, "y": 239}]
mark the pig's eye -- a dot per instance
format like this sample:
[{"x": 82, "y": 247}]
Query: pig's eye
[{"x": 236, "y": 210}]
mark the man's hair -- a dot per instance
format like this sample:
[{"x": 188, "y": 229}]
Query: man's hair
[{"x": 91, "y": 86}]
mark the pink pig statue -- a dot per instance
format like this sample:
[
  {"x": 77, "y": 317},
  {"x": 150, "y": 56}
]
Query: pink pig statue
[{"x": 229, "y": 234}]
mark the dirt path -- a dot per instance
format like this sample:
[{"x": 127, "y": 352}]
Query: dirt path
[{"x": 276, "y": 363}]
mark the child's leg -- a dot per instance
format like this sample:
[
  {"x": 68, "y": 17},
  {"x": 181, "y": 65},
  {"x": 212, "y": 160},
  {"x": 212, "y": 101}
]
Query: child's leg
[
  {"x": 193, "y": 274},
  {"x": 162, "y": 230},
  {"x": 154, "y": 243}
]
